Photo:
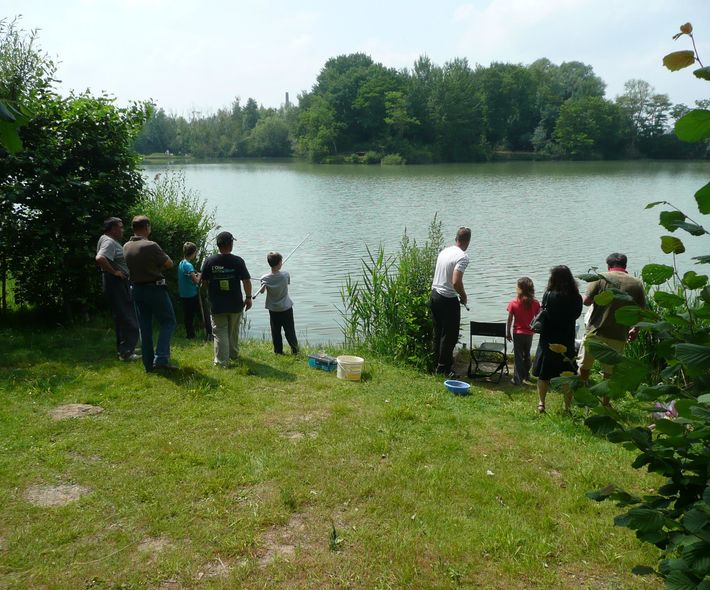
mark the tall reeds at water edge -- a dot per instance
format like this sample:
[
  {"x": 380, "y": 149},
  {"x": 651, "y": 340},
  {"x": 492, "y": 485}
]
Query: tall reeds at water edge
[{"x": 385, "y": 309}]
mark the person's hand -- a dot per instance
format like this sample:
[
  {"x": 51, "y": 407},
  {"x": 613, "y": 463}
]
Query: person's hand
[
  {"x": 120, "y": 274},
  {"x": 508, "y": 337},
  {"x": 463, "y": 299},
  {"x": 247, "y": 304}
]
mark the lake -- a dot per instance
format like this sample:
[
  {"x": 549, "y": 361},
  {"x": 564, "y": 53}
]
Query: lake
[{"x": 525, "y": 217}]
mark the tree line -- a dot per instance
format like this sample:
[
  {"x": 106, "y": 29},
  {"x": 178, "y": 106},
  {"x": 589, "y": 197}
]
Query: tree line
[{"x": 360, "y": 110}]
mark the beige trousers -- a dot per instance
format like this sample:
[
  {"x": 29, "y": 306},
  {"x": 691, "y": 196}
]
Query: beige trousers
[{"x": 225, "y": 330}]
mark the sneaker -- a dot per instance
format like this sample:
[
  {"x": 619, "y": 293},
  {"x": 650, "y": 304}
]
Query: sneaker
[
  {"x": 129, "y": 358},
  {"x": 166, "y": 367}
]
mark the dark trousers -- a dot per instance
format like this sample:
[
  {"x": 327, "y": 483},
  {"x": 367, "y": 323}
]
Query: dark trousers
[
  {"x": 153, "y": 301},
  {"x": 279, "y": 320},
  {"x": 446, "y": 313},
  {"x": 118, "y": 294},
  {"x": 522, "y": 343},
  {"x": 190, "y": 308}
]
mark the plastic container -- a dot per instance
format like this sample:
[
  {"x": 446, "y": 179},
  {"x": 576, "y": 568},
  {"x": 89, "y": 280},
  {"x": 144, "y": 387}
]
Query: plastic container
[
  {"x": 350, "y": 367},
  {"x": 457, "y": 387},
  {"x": 322, "y": 361}
]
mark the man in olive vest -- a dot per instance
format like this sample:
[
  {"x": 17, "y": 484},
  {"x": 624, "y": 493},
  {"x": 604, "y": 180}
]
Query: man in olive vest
[
  {"x": 602, "y": 325},
  {"x": 146, "y": 262}
]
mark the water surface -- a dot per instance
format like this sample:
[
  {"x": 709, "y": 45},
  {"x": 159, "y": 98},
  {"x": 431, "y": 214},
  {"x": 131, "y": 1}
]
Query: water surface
[{"x": 525, "y": 218}]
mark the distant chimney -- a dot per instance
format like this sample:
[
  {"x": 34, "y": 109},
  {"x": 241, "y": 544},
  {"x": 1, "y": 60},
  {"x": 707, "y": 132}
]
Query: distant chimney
[{"x": 287, "y": 103}]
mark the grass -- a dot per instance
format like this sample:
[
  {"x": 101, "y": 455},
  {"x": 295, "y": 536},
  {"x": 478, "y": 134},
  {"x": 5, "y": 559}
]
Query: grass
[{"x": 275, "y": 475}]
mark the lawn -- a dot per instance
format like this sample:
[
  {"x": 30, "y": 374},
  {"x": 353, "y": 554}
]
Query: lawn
[{"x": 275, "y": 475}]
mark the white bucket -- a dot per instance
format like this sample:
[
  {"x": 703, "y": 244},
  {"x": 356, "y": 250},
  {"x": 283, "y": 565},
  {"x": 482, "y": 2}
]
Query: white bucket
[{"x": 350, "y": 367}]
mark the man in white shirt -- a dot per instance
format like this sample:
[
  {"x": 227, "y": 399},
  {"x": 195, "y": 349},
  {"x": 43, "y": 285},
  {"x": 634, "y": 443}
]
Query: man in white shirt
[
  {"x": 110, "y": 259},
  {"x": 447, "y": 294}
]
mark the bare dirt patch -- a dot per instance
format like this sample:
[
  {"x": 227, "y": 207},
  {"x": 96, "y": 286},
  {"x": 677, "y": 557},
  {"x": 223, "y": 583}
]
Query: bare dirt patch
[
  {"x": 154, "y": 545},
  {"x": 265, "y": 492},
  {"x": 557, "y": 477},
  {"x": 74, "y": 411},
  {"x": 280, "y": 542},
  {"x": 50, "y": 496},
  {"x": 214, "y": 569}
]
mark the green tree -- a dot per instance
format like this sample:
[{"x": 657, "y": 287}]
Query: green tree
[
  {"x": 456, "y": 113},
  {"x": 589, "y": 127},
  {"x": 77, "y": 168},
  {"x": 270, "y": 138}
]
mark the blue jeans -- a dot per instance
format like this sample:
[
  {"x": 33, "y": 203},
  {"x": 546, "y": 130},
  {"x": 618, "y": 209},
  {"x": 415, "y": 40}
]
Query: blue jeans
[{"x": 151, "y": 302}]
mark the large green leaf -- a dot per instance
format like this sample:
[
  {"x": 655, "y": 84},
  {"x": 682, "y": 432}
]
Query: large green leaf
[
  {"x": 603, "y": 352},
  {"x": 695, "y": 520},
  {"x": 654, "y": 392},
  {"x": 645, "y": 519},
  {"x": 693, "y": 126},
  {"x": 702, "y": 197},
  {"x": 628, "y": 315},
  {"x": 693, "y": 355},
  {"x": 692, "y": 228},
  {"x": 656, "y": 274},
  {"x": 677, "y": 580},
  {"x": 628, "y": 376},
  {"x": 671, "y": 244},
  {"x": 620, "y": 295},
  {"x": 668, "y": 219},
  {"x": 604, "y": 298},
  {"x": 678, "y": 60},
  {"x": 668, "y": 300},
  {"x": 702, "y": 73},
  {"x": 601, "y": 424},
  {"x": 693, "y": 280},
  {"x": 589, "y": 277},
  {"x": 9, "y": 138}
]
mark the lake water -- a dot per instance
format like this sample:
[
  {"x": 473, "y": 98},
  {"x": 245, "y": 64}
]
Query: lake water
[{"x": 525, "y": 217}]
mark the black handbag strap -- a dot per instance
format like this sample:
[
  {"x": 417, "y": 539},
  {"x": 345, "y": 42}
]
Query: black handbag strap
[{"x": 544, "y": 300}]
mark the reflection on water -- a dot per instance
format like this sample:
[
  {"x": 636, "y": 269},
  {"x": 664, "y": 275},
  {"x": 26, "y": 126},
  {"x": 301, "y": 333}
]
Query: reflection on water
[{"x": 525, "y": 217}]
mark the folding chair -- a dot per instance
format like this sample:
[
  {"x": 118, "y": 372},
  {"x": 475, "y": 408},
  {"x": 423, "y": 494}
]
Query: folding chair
[{"x": 490, "y": 357}]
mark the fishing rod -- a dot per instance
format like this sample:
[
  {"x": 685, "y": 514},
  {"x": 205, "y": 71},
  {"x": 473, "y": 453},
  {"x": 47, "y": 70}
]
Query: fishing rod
[{"x": 284, "y": 262}]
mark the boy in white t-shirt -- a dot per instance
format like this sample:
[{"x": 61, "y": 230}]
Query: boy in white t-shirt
[{"x": 279, "y": 304}]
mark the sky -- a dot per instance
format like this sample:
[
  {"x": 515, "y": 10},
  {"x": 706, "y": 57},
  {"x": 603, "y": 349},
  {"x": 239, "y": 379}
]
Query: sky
[{"x": 195, "y": 57}]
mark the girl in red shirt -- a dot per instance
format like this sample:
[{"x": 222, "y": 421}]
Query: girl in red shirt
[{"x": 522, "y": 309}]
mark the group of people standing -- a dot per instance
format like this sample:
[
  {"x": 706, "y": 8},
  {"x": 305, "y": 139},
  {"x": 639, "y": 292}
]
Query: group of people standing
[
  {"x": 562, "y": 305},
  {"x": 133, "y": 277}
]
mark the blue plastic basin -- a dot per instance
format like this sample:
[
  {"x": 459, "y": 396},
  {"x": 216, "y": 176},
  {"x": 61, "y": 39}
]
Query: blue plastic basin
[{"x": 457, "y": 387}]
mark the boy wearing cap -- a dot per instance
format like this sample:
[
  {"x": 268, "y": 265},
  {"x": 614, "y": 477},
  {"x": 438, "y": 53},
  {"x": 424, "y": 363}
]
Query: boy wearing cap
[{"x": 222, "y": 272}]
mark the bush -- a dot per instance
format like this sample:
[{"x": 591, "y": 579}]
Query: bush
[
  {"x": 371, "y": 157},
  {"x": 675, "y": 517},
  {"x": 76, "y": 169},
  {"x": 177, "y": 215},
  {"x": 386, "y": 311},
  {"x": 393, "y": 160}
]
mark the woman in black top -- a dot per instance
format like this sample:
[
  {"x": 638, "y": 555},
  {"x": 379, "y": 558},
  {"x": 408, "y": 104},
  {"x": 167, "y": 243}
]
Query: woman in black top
[{"x": 564, "y": 305}]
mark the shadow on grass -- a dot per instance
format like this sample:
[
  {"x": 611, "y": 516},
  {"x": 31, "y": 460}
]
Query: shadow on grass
[
  {"x": 248, "y": 366},
  {"x": 189, "y": 377}
]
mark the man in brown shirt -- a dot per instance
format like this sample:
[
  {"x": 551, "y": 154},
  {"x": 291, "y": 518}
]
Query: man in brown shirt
[
  {"x": 146, "y": 262},
  {"x": 602, "y": 325}
]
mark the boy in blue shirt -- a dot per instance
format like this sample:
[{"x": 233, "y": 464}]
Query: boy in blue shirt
[
  {"x": 279, "y": 304},
  {"x": 188, "y": 287}
]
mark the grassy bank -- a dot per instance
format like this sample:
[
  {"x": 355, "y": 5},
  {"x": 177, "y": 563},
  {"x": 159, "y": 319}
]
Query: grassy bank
[{"x": 275, "y": 475}]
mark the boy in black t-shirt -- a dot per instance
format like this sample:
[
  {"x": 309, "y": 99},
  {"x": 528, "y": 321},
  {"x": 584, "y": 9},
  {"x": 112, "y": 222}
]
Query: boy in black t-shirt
[{"x": 222, "y": 272}]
